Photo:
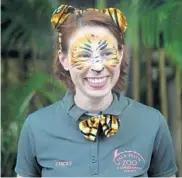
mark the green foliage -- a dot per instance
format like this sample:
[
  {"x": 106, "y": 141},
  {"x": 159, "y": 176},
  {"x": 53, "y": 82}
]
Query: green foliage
[
  {"x": 28, "y": 24},
  {"x": 148, "y": 19},
  {"x": 17, "y": 104},
  {"x": 100, "y": 4}
]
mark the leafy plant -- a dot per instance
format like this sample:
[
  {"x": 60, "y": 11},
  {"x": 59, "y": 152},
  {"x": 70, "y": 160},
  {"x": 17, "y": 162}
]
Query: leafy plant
[
  {"x": 40, "y": 90},
  {"x": 27, "y": 24},
  {"x": 155, "y": 25}
]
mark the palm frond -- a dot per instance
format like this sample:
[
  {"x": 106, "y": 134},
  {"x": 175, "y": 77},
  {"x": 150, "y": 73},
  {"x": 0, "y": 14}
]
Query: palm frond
[
  {"x": 28, "y": 21},
  {"x": 150, "y": 20}
]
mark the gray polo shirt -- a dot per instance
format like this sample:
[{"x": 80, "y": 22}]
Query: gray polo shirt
[{"x": 52, "y": 145}]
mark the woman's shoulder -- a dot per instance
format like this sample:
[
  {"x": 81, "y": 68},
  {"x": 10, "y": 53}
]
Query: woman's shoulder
[
  {"x": 139, "y": 111},
  {"x": 46, "y": 114}
]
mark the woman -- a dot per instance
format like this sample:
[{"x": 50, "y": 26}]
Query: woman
[{"x": 94, "y": 130}]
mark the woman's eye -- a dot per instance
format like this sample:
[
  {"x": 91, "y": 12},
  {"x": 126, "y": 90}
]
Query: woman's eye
[
  {"x": 84, "y": 55},
  {"x": 105, "y": 54},
  {"x": 108, "y": 53}
]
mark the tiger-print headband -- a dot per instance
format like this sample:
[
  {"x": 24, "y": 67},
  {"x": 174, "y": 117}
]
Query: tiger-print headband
[{"x": 62, "y": 12}]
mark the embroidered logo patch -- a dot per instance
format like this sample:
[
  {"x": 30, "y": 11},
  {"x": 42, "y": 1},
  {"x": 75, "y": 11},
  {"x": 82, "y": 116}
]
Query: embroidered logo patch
[
  {"x": 128, "y": 161},
  {"x": 63, "y": 163}
]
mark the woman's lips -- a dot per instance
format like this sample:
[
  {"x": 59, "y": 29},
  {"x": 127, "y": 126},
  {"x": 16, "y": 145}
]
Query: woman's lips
[{"x": 97, "y": 82}]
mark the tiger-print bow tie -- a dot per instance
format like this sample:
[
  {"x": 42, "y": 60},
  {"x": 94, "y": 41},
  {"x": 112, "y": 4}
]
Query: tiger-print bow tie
[{"x": 89, "y": 127}]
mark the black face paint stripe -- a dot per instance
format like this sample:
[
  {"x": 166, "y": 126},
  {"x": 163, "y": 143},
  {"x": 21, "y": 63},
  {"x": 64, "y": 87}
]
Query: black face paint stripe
[
  {"x": 87, "y": 45},
  {"x": 101, "y": 42},
  {"x": 87, "y": 49},
  {"x": 102, "y": 45}
]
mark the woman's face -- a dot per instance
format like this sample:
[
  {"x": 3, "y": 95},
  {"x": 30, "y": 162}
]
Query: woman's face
[{"x": 93, "y": 61}]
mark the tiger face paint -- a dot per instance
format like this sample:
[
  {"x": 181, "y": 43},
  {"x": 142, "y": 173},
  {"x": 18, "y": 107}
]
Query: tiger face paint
[
  {"x": 88, "y": 49},
  {"x": 93, "y": 61}
]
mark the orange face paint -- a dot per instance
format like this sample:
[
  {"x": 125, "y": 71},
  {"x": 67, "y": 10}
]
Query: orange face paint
[{"x": 91, "y": 48}]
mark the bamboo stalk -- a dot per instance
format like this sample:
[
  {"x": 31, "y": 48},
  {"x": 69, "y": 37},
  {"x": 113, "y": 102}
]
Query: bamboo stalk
[
  {"x": 135, "y": 67},
  {"x": 100, "y": 4},
  {"x": 149, "y": 79},
  {"x": 179, "y": 117},
  {"x": 163, "y": 95}
]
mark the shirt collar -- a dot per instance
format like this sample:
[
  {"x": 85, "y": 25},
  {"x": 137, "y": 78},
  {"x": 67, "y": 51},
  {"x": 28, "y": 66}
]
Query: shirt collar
[{"x": 118, "y": 104}]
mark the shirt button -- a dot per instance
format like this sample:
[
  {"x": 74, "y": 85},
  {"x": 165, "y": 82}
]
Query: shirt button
[{"x": 94, "y": 160}]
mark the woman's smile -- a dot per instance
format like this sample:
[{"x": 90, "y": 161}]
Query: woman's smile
[{"x": 97, "y": 82}]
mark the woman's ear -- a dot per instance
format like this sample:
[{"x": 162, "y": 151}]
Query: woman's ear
[{"x": 63, "y": 59}]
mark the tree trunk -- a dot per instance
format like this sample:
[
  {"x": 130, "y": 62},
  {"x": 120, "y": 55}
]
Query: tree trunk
[
  {"x": 179, "y": 118},
  {"x": 173, "y": 121},
  {"x": 162, "y": 75},
  {"x": 136, "y": 88},
  {"x": 149, "y": 78},
  {"x": 100, "y": 4},
  {"x": 4, "y": 72}
]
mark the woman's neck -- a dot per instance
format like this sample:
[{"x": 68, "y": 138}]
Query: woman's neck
[{"x": 93, "y": 105}]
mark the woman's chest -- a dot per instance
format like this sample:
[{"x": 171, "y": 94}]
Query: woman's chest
[{"x": 109, "y": 157}]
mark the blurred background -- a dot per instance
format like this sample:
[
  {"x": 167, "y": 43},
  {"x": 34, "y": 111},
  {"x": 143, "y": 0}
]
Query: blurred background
[{"x": 154, "y": 45}]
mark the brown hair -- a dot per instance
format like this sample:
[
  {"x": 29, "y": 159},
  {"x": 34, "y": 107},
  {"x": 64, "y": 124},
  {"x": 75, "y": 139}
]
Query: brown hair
[{"x": 74, "y": 22}]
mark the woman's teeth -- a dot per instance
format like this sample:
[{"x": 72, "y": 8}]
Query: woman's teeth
[{"x": 96, "y": 80}]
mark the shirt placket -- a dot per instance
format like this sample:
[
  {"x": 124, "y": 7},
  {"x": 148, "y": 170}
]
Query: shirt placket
[{"x": 94, "y": 155}]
